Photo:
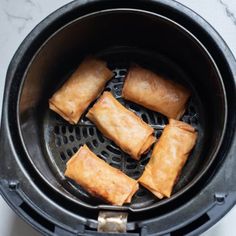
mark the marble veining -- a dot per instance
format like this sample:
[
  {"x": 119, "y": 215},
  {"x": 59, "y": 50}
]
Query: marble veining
[
  {"x": 24, "y": 20},
  {"x": 35, "y": 4},
  {"x": 30, "y": 2},
  {"x": 18, "y": 18},
  {"x": 228, "y": 11}
]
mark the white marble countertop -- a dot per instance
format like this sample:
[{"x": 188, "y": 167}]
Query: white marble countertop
[{"x": 18, "y": 18}]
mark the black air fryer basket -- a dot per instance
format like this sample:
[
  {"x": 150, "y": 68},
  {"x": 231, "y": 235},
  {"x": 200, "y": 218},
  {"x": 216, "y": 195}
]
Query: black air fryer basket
[{"x": 36, "y": 143}]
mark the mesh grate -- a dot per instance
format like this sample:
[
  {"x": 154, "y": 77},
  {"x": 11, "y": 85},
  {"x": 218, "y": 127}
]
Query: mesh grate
[{"x": 63, "y": 140}]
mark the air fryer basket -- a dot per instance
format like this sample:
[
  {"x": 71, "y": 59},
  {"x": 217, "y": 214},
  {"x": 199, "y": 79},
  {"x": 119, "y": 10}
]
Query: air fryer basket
[
  {"x": 39, "y": 142},
  {"x": 62, "y": 140}
]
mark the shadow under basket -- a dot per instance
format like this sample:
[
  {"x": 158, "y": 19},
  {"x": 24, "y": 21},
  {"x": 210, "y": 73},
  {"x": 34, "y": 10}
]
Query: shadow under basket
[{"x": 36, "y": 143}]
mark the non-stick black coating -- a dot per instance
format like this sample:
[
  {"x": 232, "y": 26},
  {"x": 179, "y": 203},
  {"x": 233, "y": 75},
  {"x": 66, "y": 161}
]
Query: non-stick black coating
[{"x": 136, "y": 36}]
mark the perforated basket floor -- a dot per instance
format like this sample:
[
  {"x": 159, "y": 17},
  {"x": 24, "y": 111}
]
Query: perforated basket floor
[{"x": 62, "y": 140}]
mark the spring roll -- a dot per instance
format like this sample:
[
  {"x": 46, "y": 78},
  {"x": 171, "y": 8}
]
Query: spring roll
[
  {"x": 146, "y": 88},
  {"x": 122, "y": 126},
  {"x": 84, "y": 86},
  {"x": 100, "y": 179},
  {"x": 168, "y": 158}
]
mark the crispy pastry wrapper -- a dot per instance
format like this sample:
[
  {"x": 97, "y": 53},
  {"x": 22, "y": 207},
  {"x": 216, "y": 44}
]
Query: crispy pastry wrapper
[
  {"x": 122, "y": 126},
  {"x": 168, "y": 158},
  {"x": 100, "y": 179},
  {"x": 84, "y": 86},
  {"x": 146, "y": 88}
]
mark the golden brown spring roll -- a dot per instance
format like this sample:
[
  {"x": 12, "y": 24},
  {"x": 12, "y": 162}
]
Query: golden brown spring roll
[
  {"x": 146, "y": 88},
  {"x": 168, "y": 158},
  {"x": 100, "y": 179},
  {"x": 85, "y": 84},
  {"x": 122, "y": 126}
]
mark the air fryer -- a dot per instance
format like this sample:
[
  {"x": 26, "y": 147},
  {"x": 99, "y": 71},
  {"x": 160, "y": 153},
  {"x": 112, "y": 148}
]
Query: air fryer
[{"x": 36, "y": 143}]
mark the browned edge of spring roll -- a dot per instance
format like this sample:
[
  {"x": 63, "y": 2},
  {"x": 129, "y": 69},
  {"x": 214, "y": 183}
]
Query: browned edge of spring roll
[
  {"x": 121, "y": 125},
  {"x": 169, "y": 156},
  {"x": 83, "y": 87},
  {"x": 152, "y": 91},
  {"x": 99, "y": 178}
]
